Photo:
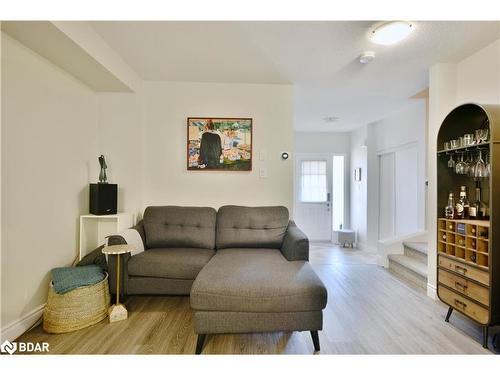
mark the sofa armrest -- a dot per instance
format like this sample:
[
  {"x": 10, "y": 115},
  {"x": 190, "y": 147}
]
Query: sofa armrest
[
  {"x": 296, "y": 244},
  {"x": 94, "y": 257}
]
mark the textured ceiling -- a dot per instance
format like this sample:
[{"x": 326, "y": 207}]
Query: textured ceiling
[{"x": 319, "y": 58}]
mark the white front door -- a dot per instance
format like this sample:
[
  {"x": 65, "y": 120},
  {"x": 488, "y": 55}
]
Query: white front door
[{"x": 313, "y": 187}]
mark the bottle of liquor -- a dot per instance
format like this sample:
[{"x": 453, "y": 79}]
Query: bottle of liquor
[
  {"x": 478, "y": 209},
  {"x": 449, "y": 210},
  {"x": 462, "y": 205}
]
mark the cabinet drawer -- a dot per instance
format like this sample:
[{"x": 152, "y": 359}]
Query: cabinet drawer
[
  {"x": 464, "y": 305},
  {"x": 465, "y": 270},
  {"x": 464, "y": 286}
]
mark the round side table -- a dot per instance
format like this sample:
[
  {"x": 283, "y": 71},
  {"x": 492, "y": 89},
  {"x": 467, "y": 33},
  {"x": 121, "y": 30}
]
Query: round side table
[{"x": 117, "y": 311}]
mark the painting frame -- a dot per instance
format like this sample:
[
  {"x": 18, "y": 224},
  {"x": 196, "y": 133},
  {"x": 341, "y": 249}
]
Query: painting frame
[{"x": 246, "y": 163}]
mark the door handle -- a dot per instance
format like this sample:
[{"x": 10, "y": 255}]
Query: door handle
[
  {"x": 460, "y": 286},
  {"x": 461, "y": 270}
]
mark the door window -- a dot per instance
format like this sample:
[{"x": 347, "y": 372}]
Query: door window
[{"x": 313, "y": 181}]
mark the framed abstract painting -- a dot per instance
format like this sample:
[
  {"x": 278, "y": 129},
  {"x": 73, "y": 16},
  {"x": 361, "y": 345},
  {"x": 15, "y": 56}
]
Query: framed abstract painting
[{"x": 215, "y": 143}]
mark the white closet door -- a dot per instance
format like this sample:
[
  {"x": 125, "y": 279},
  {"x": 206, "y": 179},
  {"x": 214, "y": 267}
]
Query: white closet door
[
  {"x": 387, "y": 196},
  {"x": 406, "y": 183}
]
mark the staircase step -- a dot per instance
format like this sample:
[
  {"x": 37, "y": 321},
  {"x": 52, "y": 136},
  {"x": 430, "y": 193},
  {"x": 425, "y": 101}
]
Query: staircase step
[
  {"x": 416, "y": 250},
  {"x": 421, "y": 247},
  {"x": 409, "y": 268}
]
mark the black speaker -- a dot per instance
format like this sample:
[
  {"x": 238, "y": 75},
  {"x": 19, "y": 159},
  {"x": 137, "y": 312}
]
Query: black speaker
[{"x": 103, "y": 199}]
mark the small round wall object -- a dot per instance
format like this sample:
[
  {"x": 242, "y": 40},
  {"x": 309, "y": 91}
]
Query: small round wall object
[{"x": 285, "y": 155}]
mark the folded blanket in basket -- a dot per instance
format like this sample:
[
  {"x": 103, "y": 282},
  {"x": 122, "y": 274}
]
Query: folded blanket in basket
[{"x": 66, "y": 279}]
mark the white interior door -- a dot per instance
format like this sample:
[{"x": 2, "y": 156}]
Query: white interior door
[
  {"x": 406, "y": 184},
  {"x": 313, "y": 188},
  {"x": 386, "y": 196},
  {"x": 398, "y": 191}
]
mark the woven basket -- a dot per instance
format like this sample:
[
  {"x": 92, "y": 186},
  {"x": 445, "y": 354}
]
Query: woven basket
[{"x": 76, "y": 309}]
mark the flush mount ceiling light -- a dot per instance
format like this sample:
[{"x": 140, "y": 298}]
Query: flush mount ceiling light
[{"x": 391, "y": 32}]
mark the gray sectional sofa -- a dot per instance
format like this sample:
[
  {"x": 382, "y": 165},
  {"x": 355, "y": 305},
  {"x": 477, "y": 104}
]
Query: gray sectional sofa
[{"x": 245, "y": 268}]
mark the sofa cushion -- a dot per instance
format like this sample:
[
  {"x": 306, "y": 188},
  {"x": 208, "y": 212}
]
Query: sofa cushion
[
  {"x": 251, "y": 227},
  {"x": 257, "y": 280},
  {"x": 174, "y": 226},
  {"x": 171, "y": 263}
]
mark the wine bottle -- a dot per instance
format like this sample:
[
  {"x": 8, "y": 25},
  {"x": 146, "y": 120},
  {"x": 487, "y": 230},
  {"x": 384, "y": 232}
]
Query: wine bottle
[
  {"x": 478, "y": 210},
  {"x": 449, "y": 210},
  {"x": 462, "y": 205}
]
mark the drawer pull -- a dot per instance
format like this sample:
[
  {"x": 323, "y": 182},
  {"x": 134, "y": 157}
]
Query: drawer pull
[
  {"x": 461, "y": 270},
  {"x": 460, "y": 286},
  {"x": 460, "y": 304}
]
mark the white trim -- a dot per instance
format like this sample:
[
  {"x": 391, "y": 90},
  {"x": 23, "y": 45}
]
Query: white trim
[
  {"x": 392, "y": 149},
  {"x": 21, "y": 325},
  {"x": 431, "y": 291}
]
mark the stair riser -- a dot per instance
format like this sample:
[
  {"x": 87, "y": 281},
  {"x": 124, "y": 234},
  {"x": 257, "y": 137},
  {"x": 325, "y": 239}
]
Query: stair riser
[
  {"x": 408, "y": 275},
  {"x": 421, "y": 257}
]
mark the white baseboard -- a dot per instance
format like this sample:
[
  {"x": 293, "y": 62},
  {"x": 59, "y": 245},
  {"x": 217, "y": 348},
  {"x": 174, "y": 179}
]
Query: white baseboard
[
  {"x": 431, "y": 291},
  {"x": 21, "y": 325}
]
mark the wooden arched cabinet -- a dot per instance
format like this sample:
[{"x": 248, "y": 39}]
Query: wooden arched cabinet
[{"x": 468, "y": 266}]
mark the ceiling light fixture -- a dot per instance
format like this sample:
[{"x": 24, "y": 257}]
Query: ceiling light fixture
[{"x": 391, "y": 32}]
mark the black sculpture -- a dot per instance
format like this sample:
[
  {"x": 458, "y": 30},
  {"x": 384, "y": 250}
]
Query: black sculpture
[{"x": 103, "y": 179}]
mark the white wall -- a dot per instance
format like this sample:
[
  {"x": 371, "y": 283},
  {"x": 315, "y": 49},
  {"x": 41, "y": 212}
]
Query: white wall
[
  {"x": 399, "y": 131},
  {"x": 339, "y": 143},
  {"x": 48, "y": 146},
  {"x": 474, "y": 79},
  {"x": 329, "y": 143},
  {"x": 166, "y": 108},
  {"x": 359, "y": 203},
  {"x": 478, "y": 76},
  {"x": 120, "y": 140},
  {"x": 402, "y": 131},
  {"x": 53, "y": 130}
]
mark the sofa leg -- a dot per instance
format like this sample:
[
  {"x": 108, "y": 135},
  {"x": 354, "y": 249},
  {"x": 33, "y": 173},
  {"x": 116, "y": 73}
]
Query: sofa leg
[
  {"x": 199, "y": 343},
  {"x": 315, "y": 338}
]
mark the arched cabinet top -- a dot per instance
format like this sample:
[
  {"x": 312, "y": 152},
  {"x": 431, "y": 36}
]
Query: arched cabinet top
[{"x": 468, "y": 117}]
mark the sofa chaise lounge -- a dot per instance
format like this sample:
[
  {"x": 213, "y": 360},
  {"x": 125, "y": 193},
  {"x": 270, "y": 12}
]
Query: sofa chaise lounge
[{"x": 245, "y": 268}]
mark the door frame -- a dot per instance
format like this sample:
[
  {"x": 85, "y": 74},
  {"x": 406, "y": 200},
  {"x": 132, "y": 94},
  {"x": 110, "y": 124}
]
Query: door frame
[{"x": 320, "y": 155}]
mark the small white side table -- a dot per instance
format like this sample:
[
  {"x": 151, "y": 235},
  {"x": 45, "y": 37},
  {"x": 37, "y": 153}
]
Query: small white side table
[
  {"x": 117, "y": 311},
  {"x": 95, "y": 228},
  {"x": 346, "y": 237}
]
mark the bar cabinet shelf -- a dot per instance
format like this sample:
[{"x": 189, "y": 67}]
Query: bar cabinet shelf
[{"x": 468, "y": 258}]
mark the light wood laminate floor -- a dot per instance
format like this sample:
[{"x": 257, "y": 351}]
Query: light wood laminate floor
[{"x": 369, "y": 311}]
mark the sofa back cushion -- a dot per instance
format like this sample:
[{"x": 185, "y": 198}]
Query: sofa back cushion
[
  {"x": 174, "y": 226},
  {"x": 239, "y": 226}
]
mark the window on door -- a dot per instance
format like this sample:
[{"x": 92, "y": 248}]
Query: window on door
[{"x": 313, "y": 187}]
